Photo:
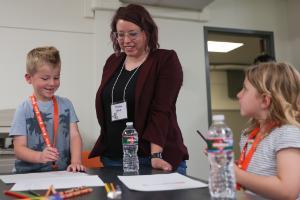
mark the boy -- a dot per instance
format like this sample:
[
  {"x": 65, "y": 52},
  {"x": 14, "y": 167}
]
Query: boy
[{"x": 44, "y": 128}]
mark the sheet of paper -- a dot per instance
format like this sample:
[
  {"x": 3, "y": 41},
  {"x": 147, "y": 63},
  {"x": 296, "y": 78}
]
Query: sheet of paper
[
  {"x": 31, "y": 176},
  {"x": 160, "y": 182},
  {"x": 58, "y": 183}
]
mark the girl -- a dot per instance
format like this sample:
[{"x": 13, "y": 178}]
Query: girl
[{"x": 270, "y": 157}]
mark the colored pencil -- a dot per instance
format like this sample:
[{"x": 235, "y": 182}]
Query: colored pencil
[
  {"x": 75, "y": 192},
  {"x": 15, "y": 194},
  {"x": 33, "y": 193},
  {"x": 106, "y": 188},
  {"x": 112, "y": 187}
]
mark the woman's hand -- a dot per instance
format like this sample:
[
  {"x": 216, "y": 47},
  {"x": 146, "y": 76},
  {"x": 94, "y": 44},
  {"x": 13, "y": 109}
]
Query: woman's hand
[
  {"x": 76, "y": 167},
  {"x": 49, "y": 154},
  {"x": 158, "y": 163}
]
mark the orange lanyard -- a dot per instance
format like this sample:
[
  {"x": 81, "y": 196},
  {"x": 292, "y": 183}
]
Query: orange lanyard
[
  {"x": 45, "y": 134},
  {"x": 244, "y": 159}
]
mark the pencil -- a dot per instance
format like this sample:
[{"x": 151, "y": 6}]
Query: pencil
[
  {"x": 74, "y": 193},
  {"x": 49, "y": 191},
  {"x": 202, "y": 136},
  {"x": 15, "y": 194},
  {"x": 53, "y": 190},
  {"x": 33, "y": 193},
  {"x": 112, "y": 187},
  {"x": 106, "y": 188}
]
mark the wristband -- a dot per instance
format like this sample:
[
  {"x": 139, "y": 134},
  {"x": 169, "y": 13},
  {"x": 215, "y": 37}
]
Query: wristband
[{"x": 156, "y": 155}]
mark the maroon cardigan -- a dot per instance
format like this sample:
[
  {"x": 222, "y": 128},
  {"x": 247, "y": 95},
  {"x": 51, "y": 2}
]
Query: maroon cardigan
[{"x": 157, "y": 88}]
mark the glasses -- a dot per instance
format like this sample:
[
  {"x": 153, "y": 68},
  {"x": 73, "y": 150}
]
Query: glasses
[{"x": 132, "y": 35}]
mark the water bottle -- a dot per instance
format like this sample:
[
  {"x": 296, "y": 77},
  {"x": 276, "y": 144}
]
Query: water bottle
[
  {"x": 130, "y": 148},
  {"x": 220, "y": 155}
]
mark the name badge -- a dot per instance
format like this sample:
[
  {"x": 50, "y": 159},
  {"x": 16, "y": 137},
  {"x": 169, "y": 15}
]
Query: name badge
[{"x": 119, "y": 111}]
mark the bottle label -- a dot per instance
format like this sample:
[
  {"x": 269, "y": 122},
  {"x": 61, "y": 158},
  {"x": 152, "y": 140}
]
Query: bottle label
[
  {"x": 219, "y": 144},
  {"x": 130, "y": 140}
]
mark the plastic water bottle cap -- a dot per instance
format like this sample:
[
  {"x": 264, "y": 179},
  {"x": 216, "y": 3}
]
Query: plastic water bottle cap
[
  {"x": 129, "y": 123},
  {"x": 218, "y": 117}
]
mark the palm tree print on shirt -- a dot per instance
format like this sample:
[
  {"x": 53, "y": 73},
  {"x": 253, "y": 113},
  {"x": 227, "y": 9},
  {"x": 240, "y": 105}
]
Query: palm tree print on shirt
[
  {"x": 35, "y": 139},
  {"x": 34, "y": 131}
]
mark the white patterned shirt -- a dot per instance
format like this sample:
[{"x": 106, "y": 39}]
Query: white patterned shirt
[{"x": 263, "y": 161}]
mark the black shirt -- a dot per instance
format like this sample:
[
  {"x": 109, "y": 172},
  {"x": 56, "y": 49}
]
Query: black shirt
[{"x": 114, "y": 129}]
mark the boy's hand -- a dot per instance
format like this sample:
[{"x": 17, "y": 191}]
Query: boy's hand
[
  {"x": 76, "y": 167},
  {"x": 49, "y": 154}
]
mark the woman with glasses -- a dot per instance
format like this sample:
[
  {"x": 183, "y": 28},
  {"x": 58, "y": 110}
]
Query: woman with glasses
[{"x": 140, "y": 84}]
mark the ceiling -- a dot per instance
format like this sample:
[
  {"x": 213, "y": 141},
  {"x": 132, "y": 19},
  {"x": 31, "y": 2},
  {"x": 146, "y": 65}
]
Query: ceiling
[
  {"x": 181, "y": 4},
  {"x": 243, "y": 55}
]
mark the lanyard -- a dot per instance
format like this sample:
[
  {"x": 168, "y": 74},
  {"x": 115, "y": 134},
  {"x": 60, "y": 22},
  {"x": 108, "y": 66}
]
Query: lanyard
[
  {"x": 45, "y": 134},
  {"x": 112, "y": 91},
  {"x": 244, "y": 159}
]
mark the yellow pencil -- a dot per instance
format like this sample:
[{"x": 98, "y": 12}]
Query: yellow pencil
[{"x": 106, "y": 187}]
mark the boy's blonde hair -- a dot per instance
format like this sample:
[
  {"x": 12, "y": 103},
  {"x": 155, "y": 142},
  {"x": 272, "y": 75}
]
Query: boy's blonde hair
[
  {"x": 42, "y": 55},
  {"x": 281, "y": 82}
]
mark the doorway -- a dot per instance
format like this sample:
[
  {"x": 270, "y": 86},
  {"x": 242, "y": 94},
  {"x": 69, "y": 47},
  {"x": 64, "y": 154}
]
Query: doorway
[{"x": 225, "y": 72}]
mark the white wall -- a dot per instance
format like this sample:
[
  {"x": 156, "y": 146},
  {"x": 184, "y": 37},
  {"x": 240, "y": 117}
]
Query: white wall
[
  {"x": 31, "y": 23},
  {"x": 186, "y": 38},
  {"x": 294, "y": 31},
  {"x": 84, "y": 45}
]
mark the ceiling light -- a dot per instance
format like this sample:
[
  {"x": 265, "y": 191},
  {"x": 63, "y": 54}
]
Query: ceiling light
[{"x": 222, "y": 47}]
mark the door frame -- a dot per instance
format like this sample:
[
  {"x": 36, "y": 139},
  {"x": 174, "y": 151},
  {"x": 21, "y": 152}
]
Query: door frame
[{"x": 267, "y": 35}]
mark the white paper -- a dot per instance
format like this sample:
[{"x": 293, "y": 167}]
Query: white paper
[
  {"x": 31, "y": 176},
  {"x": 160, "y": 182},
  {"x": 58, "y": 183}
]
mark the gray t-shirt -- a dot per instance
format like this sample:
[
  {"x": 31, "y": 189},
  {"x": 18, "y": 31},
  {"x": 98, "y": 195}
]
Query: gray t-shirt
[
  {"x": 263, "y": 161},
  {"x": 25, "y": 123}
]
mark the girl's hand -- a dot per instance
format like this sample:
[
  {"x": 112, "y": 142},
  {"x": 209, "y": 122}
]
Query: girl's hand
[
  {"x": 237, "y": 171},
  {"x": 158, "y": 163},
  {"x": 76, "y": 167},
  {"x": 49, "y": 154}
]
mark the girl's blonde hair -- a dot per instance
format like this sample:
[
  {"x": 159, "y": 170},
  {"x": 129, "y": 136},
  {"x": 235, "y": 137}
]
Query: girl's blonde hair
[{"x": 281, "y": 82}]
